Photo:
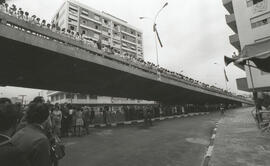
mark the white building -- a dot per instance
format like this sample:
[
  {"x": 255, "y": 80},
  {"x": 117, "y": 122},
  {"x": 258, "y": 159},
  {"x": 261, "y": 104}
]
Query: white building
[
  {"x": 250, "y": 22},
  {"x": 83, "y": 99},
  {"x": 97, "y": 25}
]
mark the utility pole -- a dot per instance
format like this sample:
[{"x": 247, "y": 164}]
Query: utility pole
[{"x": 22, "y": 96}]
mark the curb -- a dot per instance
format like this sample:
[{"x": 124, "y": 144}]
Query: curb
[
  {"x": 128, "y": 123},
  {"x": 210, "y": 147}
]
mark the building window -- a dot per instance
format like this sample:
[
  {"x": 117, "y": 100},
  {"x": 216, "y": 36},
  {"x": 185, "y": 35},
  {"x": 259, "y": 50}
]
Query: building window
[
  {"x": 56, "y": 97},
  {"x": 73, "y": 6},
  {"x": 52, "y": 98},
  {"x": 115, "y": 26},
  {"x": 84, "y": 12},
  {"x": 81, "y": 96},
  {"x": 72, "y": 20},
  {"x": 72, "y": 28},
  {"x": 105, "y": 29},
  {"x": 96, "y": 26},
  {"x": 73, "y": 10},
  {"x": 96, "y": 17},
  {"x": 62, "y": 96},
  {"x": 256, "y": 1},
  {"x": 253, "y": 2},
  {"x": 106, "y": 22},
  {"x": 93, "y": 97},
  {"x": 106, "y": 39},
  {"x": 96, "y": 36},
  {"x": 260, "y": 23},
  {"x": 69, "y": 96}
]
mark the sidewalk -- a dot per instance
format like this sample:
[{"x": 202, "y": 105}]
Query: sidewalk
[
  {"x": 141, "y": 121},
  {"x": 239, "y": 142}
]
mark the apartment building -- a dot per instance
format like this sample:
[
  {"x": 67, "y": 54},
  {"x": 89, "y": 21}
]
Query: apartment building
[
  {"x": 249, "y": 21},
  {"x": 97, "y": 25}
]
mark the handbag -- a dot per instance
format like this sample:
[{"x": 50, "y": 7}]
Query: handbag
[{"x": 57, "y": 148}]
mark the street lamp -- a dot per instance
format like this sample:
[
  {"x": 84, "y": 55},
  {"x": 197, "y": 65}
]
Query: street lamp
[
  {"x": 215, "y": 63},
  {"x": 157, "y": 38}
]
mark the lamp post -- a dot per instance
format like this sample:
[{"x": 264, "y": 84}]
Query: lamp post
[
  {"x": 215, "y": 63},
  {"x": 155, "y": 29}
]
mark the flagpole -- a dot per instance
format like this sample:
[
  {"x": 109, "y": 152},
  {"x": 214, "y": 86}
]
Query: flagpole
[{"x": 225, "y": 76}]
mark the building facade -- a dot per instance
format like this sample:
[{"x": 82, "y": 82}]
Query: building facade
[
  {"x": 85, "y": 99},
  {"x": 250, "y": 23},
  {"x": 96, "y": 25}
]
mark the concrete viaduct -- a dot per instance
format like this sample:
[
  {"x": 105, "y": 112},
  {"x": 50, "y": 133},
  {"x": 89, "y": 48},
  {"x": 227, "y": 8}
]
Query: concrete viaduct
[{"x": 36, "y": 57}]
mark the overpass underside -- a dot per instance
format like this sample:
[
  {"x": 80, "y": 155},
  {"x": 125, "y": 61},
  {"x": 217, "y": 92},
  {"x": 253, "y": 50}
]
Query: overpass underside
[{"x": 32, "y": 61}]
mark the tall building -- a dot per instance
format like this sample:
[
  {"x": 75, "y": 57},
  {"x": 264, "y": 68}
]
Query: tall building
[
  {"x": 97, "y": 25},
  {"x": 250, "y": 23}
]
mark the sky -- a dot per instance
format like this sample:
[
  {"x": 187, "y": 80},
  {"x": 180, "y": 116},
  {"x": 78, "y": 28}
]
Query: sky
[{"x": 194, "y": 34}]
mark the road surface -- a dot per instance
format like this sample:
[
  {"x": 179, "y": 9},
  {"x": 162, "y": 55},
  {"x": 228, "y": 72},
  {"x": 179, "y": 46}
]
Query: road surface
[{"x": 173, "y": 142}]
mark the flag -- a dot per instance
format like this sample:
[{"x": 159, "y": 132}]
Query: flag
[{"x": 225, "y": 75}]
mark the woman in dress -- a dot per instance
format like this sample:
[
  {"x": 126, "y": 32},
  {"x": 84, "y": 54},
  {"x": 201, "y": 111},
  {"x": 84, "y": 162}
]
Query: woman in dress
[
  {"x": 56, "y": 120},
  {"x": 79, "y": 122}
]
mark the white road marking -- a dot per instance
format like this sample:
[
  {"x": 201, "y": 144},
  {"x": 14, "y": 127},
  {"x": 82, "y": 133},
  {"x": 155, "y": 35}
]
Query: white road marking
[{"x": 209, "y": 151}]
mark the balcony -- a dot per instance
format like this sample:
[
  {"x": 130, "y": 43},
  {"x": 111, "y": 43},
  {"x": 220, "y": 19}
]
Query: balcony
[
  {"x": 234, "y": 40},
  {"x": 106, "y": 33},
  {"x": 117, "y": 37},
  {"x": 127, "y": 33},
  {"x": 90, "y": 28},
  {"x": 231, "y": 22},
  {"x": 130, "y": 42},
  {"x": 228, "y": 5},
  {"x": 128, "y": 49},
  {"x": 91, "y": 19},
  {"x": 106, "y": 25},
  {"x": 117, "y": 46},
  {"x": 105, "y": 42}
]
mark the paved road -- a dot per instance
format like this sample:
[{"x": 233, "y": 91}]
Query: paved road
[{"x": 169, "y": 143}]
